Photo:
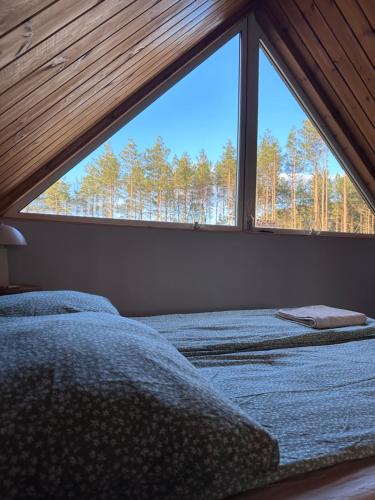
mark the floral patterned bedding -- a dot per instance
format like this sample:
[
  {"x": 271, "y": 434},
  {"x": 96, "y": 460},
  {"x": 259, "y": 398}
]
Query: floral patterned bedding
[
  {"x": 96, "y": 406},
  {"x": 312, "y": 390}
]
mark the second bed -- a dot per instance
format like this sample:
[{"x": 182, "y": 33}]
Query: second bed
[{"x": 313, "y": 390}]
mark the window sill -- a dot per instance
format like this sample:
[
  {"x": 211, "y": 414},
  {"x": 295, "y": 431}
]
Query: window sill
[
  {"x": 299, "y": 232},
  {"x": 182, "y": 226},
  {"x": 124, "y": 222}
]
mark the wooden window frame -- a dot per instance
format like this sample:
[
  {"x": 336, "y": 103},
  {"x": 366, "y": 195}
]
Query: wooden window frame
[{"x": 252, "y": 37}]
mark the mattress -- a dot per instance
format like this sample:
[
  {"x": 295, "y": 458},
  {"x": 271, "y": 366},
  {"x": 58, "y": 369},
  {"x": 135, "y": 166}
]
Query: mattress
[{"x": 312, "y": 390}]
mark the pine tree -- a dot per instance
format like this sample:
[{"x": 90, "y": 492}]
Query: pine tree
[
  {"x": 311, "y": 144},
  {"x": 57, "y": 197},
  {"x": 202, "y": 188},
  {"x": 109, "y": 179},
  {"x": 88, "y": 196},
  {"x": 293, "y": 191},
  {"x": 226, "y": 183},
  {"x": 293, "y": 166},
  {"x": 183, "y": 179},
  {"x": 158, "y": 175},
  {"x": 268, "y": 178},
  {"x": 134, "y": 180}
]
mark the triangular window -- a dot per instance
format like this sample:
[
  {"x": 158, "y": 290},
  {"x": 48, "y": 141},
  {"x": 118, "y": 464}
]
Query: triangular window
[
  {"x": 300, "y": 183},
  {"x": 175, "y": 162}
]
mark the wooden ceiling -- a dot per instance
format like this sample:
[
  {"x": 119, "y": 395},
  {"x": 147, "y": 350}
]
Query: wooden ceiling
[
  {"x": 329, "y": 47},
  {"x": 68, "y": 66}
]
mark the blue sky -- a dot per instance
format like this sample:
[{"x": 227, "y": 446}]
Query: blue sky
[
  {"x": 201, "y": 111},
  {"x": 278, "y": 108}
]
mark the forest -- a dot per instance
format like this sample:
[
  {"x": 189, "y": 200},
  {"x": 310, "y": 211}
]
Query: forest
[{"x": 295, "y": 189}]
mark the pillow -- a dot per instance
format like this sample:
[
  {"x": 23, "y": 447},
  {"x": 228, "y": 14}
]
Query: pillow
[
  {"x": 98, "y": 406},
  {"x": 53, "y": 302}
]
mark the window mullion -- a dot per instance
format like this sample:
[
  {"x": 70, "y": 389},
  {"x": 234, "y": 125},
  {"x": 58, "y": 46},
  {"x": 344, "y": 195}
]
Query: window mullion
[{"x": 250, "y": 124}]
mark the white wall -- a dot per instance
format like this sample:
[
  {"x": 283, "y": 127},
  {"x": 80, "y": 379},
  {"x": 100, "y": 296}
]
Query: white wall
[{"x": 154, "y": 271}]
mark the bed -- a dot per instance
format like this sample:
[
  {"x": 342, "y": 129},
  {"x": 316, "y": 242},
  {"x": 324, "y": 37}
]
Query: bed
[
  {"x": 313, "y": 390},
  {"x": 188, "y": 406}
]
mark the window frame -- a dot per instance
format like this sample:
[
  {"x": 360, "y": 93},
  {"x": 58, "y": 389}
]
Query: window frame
[
  {"x": 304, "y": 101},
  {"x": 252, "y": 37},
  {"x": 238, "y": 28}
]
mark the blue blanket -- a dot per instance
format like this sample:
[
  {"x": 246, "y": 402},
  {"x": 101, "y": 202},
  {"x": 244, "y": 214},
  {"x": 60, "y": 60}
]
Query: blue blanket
[
  {"x": 64, "y": 374},
  {"x": 233, "y": 331},
  {"x": 312, "y": 390},
  {"x": 97, "y": 406}
]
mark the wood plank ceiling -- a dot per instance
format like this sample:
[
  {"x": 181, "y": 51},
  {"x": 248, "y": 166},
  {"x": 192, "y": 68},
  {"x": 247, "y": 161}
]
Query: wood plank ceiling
[
  {"x": 68, "y": 66},
  {"x": 329, "y": 47}
]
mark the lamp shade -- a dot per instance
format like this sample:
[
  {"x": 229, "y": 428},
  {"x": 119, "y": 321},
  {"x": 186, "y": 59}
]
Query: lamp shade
[{"x": 9, "y": 235}]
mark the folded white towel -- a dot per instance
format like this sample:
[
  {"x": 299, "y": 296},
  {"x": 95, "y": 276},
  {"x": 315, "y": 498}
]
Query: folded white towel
[{"x": 322, "y": 316}]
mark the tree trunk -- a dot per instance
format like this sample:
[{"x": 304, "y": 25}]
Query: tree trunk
[
  {"x": 322, "y": 201},
  {"x": 185, "y": 207},
  {"x": 166, "y": 201},
  {"x": 229, "y": 208},
  {"x": 294, "y": 194},
  {"x": 316, "y": 195},
  {"x": 216, "y": 204},
  {"x": 160, "y": 202},
  {"x": 344, "y": 206},
  {"x": 131, "y": 198},
  {"x": 273, "y": 210}
]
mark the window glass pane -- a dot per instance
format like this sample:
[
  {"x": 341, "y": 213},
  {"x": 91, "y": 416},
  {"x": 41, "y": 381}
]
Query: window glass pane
[
  {"x": 300, "y": 184},
  {"x": 175, "y": 162}
]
